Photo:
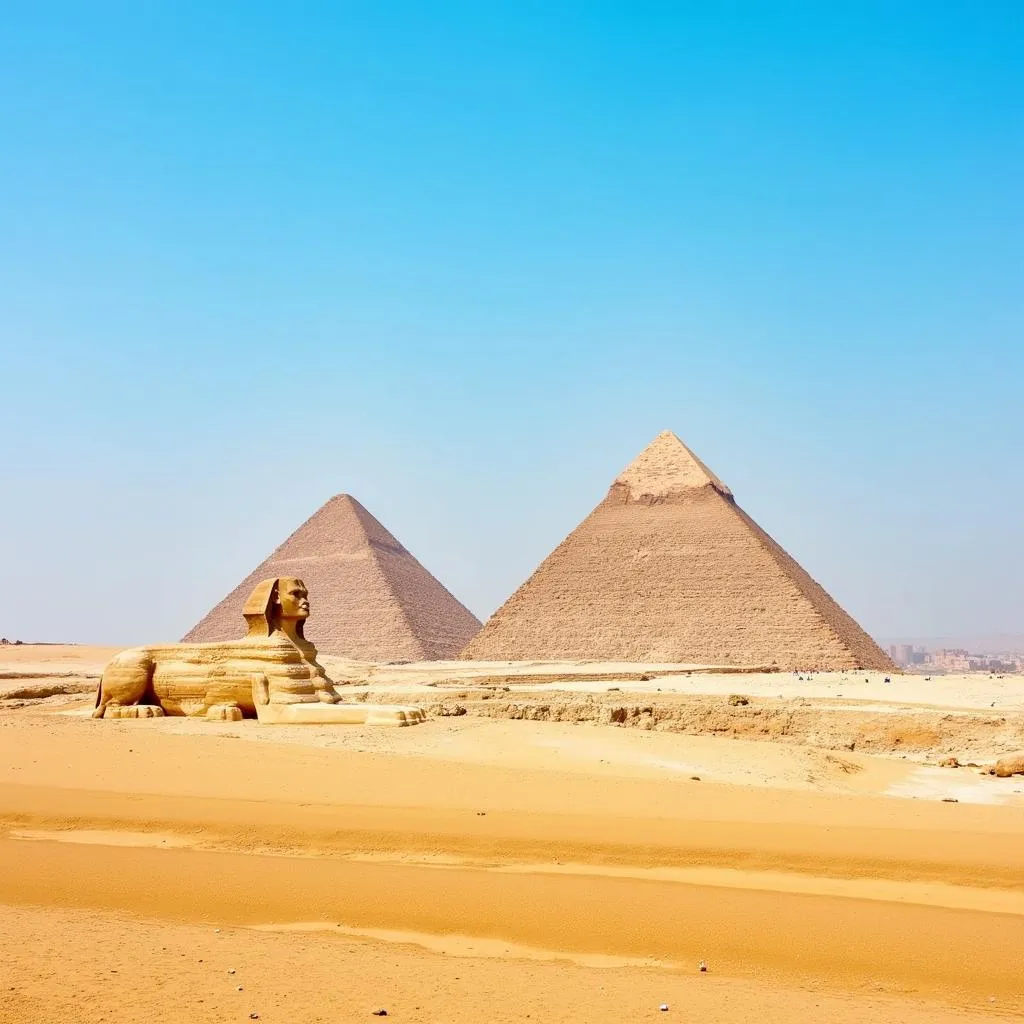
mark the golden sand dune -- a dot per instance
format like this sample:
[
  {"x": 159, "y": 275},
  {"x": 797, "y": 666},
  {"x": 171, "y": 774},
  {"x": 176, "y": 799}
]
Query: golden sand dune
[
  {"x": 80, "y": 965},
  {"x": 479, "y": 868}
]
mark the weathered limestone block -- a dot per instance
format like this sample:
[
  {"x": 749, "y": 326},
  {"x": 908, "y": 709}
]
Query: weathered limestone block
[
  {"x": 339, "y": 714},
  {"x": 1007, "y": 766},
  {"x": 192, "y": 679}
]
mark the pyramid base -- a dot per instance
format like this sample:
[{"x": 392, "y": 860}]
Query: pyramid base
[{"x": 340, "y": 714}]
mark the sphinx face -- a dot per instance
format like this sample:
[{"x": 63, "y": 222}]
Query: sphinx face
[{"x": 293, "y": 599}]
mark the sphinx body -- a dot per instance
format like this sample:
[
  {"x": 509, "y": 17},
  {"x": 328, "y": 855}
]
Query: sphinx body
[{"x": 272, "y": 664}]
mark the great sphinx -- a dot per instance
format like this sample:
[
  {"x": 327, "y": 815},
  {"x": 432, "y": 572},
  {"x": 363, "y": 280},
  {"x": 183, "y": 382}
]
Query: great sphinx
[{"x": 271, "y": 673}]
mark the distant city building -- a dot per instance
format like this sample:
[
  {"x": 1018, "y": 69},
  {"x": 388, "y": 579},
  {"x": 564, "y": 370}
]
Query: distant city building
[
  {"x": 956, "y": 659},
  {"x": 953, "y": 659}
]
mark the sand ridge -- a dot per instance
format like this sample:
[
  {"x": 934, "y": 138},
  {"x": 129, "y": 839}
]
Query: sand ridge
[
  {"x": 320, "y": 977},
  {"x": 569, "y": 858}
]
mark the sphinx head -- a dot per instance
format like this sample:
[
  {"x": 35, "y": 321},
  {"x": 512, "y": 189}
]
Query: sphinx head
[
  {"x": 292, "y": 599},
  {"x": 277, "y": 604}
]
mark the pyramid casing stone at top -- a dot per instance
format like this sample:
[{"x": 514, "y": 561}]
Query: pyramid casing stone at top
[
  {"x": 372, "y": 601},
  {"x": 668, "y": 568}
]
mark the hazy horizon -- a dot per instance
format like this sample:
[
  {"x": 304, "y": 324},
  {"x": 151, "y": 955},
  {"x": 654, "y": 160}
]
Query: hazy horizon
[{"x": 464, "y": 264}]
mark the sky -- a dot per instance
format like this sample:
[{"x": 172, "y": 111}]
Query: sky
[{"x": 464, "y": 260}]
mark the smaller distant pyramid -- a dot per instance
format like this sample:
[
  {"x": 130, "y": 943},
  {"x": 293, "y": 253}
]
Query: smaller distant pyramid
[
  {"x": 668, "y": 568},
  {"x": 371, "y": 600}
]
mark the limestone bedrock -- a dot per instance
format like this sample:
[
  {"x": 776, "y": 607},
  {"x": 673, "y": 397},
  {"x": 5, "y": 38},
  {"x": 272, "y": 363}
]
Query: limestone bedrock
[
  {"x": 339, "y": 714},
  {"x": 273, "y": 666}
]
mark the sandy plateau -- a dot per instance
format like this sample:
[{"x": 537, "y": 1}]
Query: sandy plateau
[{"x": 558, "y": 842}]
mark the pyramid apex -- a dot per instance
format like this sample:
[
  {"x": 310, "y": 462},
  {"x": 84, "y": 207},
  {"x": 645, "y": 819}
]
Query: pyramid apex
[
  {"x": 666, "y": 467},
  {"x": 345, "y": 499}
]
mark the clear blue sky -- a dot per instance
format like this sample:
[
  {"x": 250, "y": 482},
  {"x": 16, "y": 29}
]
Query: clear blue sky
[{"x": 464, "y": 260}]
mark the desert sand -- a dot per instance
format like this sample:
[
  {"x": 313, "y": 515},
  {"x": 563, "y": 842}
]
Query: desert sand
[{"x": 513, "y": 864}]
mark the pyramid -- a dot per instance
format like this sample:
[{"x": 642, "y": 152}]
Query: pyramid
[
  {"x": 668, "y": 568},
  {"x": 371, "y": 600}
]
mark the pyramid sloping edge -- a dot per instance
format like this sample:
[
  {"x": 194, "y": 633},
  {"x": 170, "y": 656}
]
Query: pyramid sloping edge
[
  {"x": 867, "y": 653},
  {"x": 440, "y": 622}
]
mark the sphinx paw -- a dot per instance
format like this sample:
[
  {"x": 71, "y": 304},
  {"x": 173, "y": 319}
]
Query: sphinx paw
[
  {"x": 116, "y": 710},
  {"x": 223, "y": 713}
]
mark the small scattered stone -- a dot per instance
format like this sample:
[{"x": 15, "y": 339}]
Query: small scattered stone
[
  {"x": 451, "y": 711},
  {"x": 231, "y": 970},
  {"x": 703, "y": 967},
  {"x": 254, "y": 1016},
  {"x": 663, "y": 1007},
  {"x": 695, "y": 778},
  {"x": 950, "y": 800},
  {"x": 380, "y": 1013}
]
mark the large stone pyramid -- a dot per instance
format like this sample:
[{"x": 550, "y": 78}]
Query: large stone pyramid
[
  {"x": 668, "y": 568},
  {"x": 371, "y": 600}
]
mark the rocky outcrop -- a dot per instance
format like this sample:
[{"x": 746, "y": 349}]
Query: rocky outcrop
[
  {"x": 1007, "y": 766},
  {"x": 924, "y": 734}
]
